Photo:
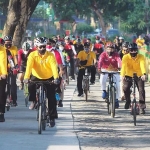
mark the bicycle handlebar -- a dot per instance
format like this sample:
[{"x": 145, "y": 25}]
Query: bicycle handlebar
[
  {"x": 42, "y": 82},
  {"x": 110, "y": 72}
]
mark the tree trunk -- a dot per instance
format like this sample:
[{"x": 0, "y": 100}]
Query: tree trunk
[
  {"x": 27, "y": 8},
  {"x": 101, "y": 21},
  {"x": 12, "y": 18},
  {"x": 19, "y": 13}
]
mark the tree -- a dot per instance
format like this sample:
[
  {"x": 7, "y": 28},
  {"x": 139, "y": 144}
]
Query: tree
[{"x": 18, "y": 15}]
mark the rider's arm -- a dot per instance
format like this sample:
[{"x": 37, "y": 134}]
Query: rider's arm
[
  {"x": 143, "y": 64},
  {"x": 94, "y": 58},
  {"x": 19, "y": 57},
  {"x": 3, "y": 64},
  {"x": 100, "y": 61},
  {"x": 123, "y": 67},
  {"x": 30, "y": 63},
  {"x": 15, "y": 53},
  {"x": 118, "y": 60},
  {"x": 62, "y": 58},
  {"x": 73, "y": 49}
]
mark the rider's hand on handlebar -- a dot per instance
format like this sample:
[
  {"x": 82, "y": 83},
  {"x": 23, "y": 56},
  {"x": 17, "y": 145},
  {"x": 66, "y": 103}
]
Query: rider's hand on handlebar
[
  {"x": 3, "y": 76},
  {"x": 143, "y": 77},
  {"x": 26, "y": 81},
  {"x": 56, "y": 81}
]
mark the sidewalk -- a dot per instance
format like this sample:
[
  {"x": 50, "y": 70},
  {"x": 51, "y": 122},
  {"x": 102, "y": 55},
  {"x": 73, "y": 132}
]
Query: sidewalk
[
  {"x": 96, "y": 130},
  {"x": 20, "y": 131}
]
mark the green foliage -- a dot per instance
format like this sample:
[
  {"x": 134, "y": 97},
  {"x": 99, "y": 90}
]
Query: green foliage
[{"x": 84, "y": 28}]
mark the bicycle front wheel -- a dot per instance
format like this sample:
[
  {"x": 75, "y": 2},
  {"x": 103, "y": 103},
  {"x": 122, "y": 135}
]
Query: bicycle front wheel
[
  {"x": 40, "y": 119},
  {"x": 134, "y": 113},
  {"x": 44, "y": 115},
  {"x": 113, "y": 100},
  {"x": 108, "y": 100}
]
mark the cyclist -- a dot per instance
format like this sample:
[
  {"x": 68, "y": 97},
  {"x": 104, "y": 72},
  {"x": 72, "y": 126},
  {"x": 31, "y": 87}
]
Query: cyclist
[
  {"x": 109, "y": 61},
  {"x": 12, "y": 54},
  {"x": 22, "y": 60},
  {"x": 3, "y": 74},
  {"x": 90, "y": 43},
  {"x": 70, "y": 50},
  {"x": 98, "y": 47},
  {"x": 85, "y": 58},
  {"x": 134, "y": 63},
  {"x": 43, "y": 66},
  {"x": 140, "y": 41},
  {"x": 123, "y": 52}
]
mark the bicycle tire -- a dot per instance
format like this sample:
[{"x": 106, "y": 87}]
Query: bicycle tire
[
  {"x": 108, "y": 100},
  {"x": 43, "y": 116},
  {"x": 134, "y": 113},
  {"x": 26, "y": 101},
  {"x": 40, "y": 119},
  {"x": 113, "y": 100},
  {"x": 67, "y": 74},
  {"x": 86, "y": 95}
]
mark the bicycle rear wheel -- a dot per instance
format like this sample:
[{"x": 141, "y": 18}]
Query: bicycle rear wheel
[
  {"x": 134, "y": 113},
  {"x": 113, "y": 100},
  {"x": 40, "y": 119}
]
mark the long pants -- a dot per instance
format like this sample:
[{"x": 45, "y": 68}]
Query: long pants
[
  {"x": 127, "y": 83},
  {"x": 116, "y": 79},
  {"x": 12, "y": 82},
  {"x": 81, "y": 73},
  {"x": 50, "y": 94},
  {"x": 2, "y": 95},
  {"x": 72, "y": 67}
]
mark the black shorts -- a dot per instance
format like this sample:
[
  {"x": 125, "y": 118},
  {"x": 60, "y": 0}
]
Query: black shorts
[{"x": 22, "y": 69}]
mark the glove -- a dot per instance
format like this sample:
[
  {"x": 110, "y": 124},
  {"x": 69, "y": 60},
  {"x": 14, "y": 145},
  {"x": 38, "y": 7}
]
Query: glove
[
  {"x": 56, "y": 81},
  {"x": 26, "y": 81},
  {"x": 15, "y": 71}
]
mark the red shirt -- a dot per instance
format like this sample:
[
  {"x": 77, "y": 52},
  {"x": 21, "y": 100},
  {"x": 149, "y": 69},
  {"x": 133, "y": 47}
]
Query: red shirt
[
  {"x": 98, "y": 45},
  {"x": 58, "y": 57},
  {"x": 68, "y": 47},
  {"x": 109, "y": 63}
]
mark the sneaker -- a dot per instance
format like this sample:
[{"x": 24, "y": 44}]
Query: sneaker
[
  {"x": 142, "y": 111},
  {"x": 14, "y": 104},
  {"x": 92, "y": 83},
  {"x": 116, "y": 103},
  {"x": 123, "y": 98},
  {"x": 32, "y": 105},
  {"x": 52, "y": 123},
  {"x": 21, "y": 86},
  {"x": 60, "y": 104},
  {"x": 80, "y": 95},
  {"x": 72, "y": 79},
  {"x": 127, "y": 105},
  {"x": 104, "y": 95},
  {"x": 2, "y": 119}
]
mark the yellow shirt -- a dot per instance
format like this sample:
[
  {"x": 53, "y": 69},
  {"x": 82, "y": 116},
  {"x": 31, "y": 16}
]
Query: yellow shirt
[
  {"x": 84, "y": 56},
  {"x": 140, "y": 42},
  {"x": 41, "y": 66},
  {"x": 130, "y": 65},
  {"x": 3, "y": 61}
]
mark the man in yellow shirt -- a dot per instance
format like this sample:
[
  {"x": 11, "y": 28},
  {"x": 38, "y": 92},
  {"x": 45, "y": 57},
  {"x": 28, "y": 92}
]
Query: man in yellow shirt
[
  {"x": 85, "y": 58},
  {"x": 140, "y": 41},
  {"x": 43, "y": 66},
  {"x": 134, "y": 63},
  {"x": 13, "y": 67},
  {"x": 3, "y": 73}
]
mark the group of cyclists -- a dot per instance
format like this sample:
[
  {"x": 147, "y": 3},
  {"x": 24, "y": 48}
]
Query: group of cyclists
[{"x": 47, "y": 59}]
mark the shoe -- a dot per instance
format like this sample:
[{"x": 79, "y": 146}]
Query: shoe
[
  {"x": 52, "y": 122},
  {"x": 127, "y": 105},
  {"x": 21, "y": 86},
  {"x": 92, "y": 83},
  {"x": 32, "y": 105},
  {"x": 14, "y": 104},
  {"x": 104, "y": 95},
  {"x": 116, "y": 103},
  {"x": 80, "y": 95},
  {"x": 60, "y": 104},
  {"x": 123, "y": 98},
  {"x": 142, "y": 111},
  {"x": 72, "y": 79},
  {"x": 2, "y": 119}
]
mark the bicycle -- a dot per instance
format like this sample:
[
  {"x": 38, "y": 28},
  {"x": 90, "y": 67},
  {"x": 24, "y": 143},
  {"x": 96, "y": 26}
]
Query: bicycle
[
  {"x": 67, "y": 72},
  {"x": 111, "y": 93},
  {"x": 134, "y": 105},
  {"x": 26, "y": 94},
  {"x": 42, "y": 105},
  {"x": 85, "y": 83}
]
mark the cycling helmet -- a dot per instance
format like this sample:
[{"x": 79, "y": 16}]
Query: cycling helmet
[
  {"x": 26, "y": 46},
  {"x": 125, "y": 44},
  {"x": 86, "y": 44},
  {"x": 1, "y": 41},
  {"x": 109, "y": 44},
  {"x": 7, "y": 38},
  {"x": 121, "y": 38},
  {"x": 40, "y": 41},
  {"x": 132, "y": 46},
  {"x": 67, "y": 38},
  {"x": 50, "y": 41}
]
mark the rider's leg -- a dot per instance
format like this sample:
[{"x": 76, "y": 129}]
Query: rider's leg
[
  {"x": 79, "y": 81},
  {"x": 20, "y": 78},
  {"x": 93, "y": 73}
]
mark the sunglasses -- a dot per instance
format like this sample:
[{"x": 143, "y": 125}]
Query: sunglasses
[
  {"x": 133, "y": 50},
  {"x": 42, "y": 46}
]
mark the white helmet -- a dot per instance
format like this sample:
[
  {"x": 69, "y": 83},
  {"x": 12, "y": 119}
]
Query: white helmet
[
  {"x": 40, "y": 41},
  {"x": 121, "y": 38}
]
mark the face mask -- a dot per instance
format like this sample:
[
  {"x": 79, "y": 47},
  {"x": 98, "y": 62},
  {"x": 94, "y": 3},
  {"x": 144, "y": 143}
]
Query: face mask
[
  {"x": 8, "y": 45},
  {"x": 25, "y": 52},
  {"x": 133, "y": 54},
  {"x": 86, "y": 49},
  {"x": 97, "y": 41},
  {"x": 110, "y": 53},
  {"x": 42, "y": 52},
  {"x": 61, "y": 48}
]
